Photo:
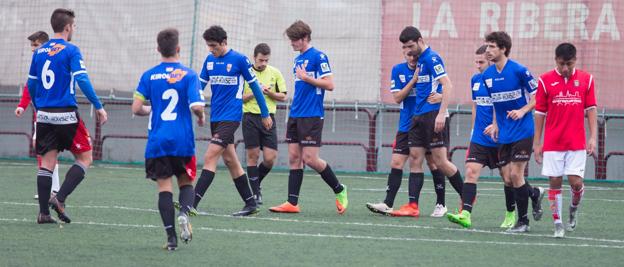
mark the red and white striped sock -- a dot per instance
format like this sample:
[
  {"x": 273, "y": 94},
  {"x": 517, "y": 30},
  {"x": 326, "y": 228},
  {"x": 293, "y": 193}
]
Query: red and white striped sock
[
  {"x": 556, "y": 206},
  {"x": 577, "y": 196}
]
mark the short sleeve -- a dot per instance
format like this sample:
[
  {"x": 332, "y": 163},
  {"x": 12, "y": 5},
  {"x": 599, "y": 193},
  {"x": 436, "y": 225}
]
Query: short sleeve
[
  {"x": 395, "y": 81},
  {"x": 280, "y": 83},
  {"x": 142, "y": 90},
  {"x": 541, "y": 98},
  {"x": 32, "y": 73},
  {"x": 323, "y": 68},
  {"x": 476, "y": 85},
  {"x": 528, "y": 81},
  {"x": 203, "y": 76},
  {"x": 246, "y": 69},
  {"x": 487, "y": 85},
  {"x": 195, "y": 97},
  {"x": 437, "y": 69},
  {"x": 590, "y": 97},
  {"x": 77, "y": 63}
]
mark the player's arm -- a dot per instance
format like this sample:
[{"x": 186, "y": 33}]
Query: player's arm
[
  {"x": 79, "y": 72},
  {"x": 541, "y": 109},
  {"x": 326, "y": 82},
  {"x": 138, "y": 105},
  {"x": 492, "y": 129},
  {"x": 247, "y": 94},
  {"x": 24, "y": 102},
  {"x": 196, "y": 99},
  {"x": 592, "y": 117},
  {"x": 31, "y": 84},
  {"x": 530, "y": 84},
  {"x": 473, "y": 115},
  {"x": 280, "y": 88},
  {"x": 400, "y": 95},
  {"x": 447, "y": 88}
]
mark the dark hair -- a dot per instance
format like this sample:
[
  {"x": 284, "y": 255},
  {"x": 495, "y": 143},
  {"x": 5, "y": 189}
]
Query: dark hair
[
  {"x": 481, "y": 50},
  {"x": 410, "y": 33},
  {"x": 168, "y": 42},
  {"x": 262, "y": 48},
  {"x": 502, "y": 40},
  {"x": 565, "y": 51},
  {"x": 215, "y": 33},
  {"x": 299, "y": 30},
  {"x": 39, "y": 36},
  {"x": 60, "y": 18}
]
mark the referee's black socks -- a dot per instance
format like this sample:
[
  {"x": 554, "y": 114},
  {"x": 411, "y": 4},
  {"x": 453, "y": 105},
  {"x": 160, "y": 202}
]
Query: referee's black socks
[
  {"x": 205, "y": 179},
  {"x": 254, "y": 179}
]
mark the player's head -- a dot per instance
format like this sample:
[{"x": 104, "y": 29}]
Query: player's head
[
  {"x": 565, "y": 57},
  {"x": 481, "y": 61},
  {"x": 168, "y": 44},
  {"x": 62, "y": 22},
  {"x": 37, "y": 39},
  {"x": 262, "y": 54},
  {"x": 216, "y": 40},
  {"x": 498, "y": 45},
  {"x": 411, "y": 58},
  {"x": 300, "y": 35},
  {"x": 412, "y": 40}
]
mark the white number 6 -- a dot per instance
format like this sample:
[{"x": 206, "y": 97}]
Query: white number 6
[{"x": 47, "y": 72}]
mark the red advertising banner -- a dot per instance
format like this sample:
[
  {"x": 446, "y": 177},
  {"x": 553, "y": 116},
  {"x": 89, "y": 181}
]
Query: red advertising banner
[{"x": 455, "y": 29}]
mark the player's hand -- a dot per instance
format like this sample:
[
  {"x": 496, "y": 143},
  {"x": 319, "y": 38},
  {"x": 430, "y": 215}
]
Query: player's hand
[
  {"x": 415, "y": 76},
  {"x": 266, "y": 90},
  {"x": 492, "y": 131},
  {"x": 440, "y": 120},
  {"x": 301, "y": 73},
  {"x": 102, "y": 116},
  {"x": 515, "y": 114},
  {"x": 267, "y": 123},
  {"x": 434, "y": 98},
  {"x": 19, "y": 111},
  {"x": 247, "y": 97},
  {"x": 538, "y": 153},
  {"x": 591, "y": 146},
  {"x": 201, "y": 121}
]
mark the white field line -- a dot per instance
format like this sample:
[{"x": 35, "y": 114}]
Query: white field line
[
  {"x": 428, "y": 191},
  {"x": 355, "y": 237},
  {"x": 277, "y": 219}
]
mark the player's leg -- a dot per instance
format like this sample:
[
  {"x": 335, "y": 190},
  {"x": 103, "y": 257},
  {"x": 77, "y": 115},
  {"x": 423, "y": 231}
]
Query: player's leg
[
  {"x": 240, "y": 180},
  {"x": 414, "y": 183},
  {"x": 56, "y": 186},
  {"x": 252, "y": 155},
  {"x": 252, "y": 137},
  {"x": 469, "y": 194},
  {"x": 167, "y": 212},
  {"x": 44, "y": 185},
  {"x": 521, "y": 190},
  {"x": 269, "y": 151},
  {"x": 393, "y": 184},
  {"x": 295, "y": 176},
  {"x": 510, "y": 200},
  {"x": 311, "y": 158},
  {"x": 211, "y": 158},
  {"x": 439, "y": 185},
  {"x": 440, "y": 158},
  {"x": 186, "y": 170},
  {"x": 575, "y": 170},
  {"x": 269, "y": 155}
]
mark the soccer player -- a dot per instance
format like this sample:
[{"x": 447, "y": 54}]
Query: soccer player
[
  {"x": 313, "y": 76},
  {"x": 427, "y": 130},
  {"x": 55, "y": 67},
  {"x": 563, "y": 97},
  {"x": 482, "y": 151},
  {"x": 36, "y": 40},
  {"x": 173, "y": 91},
  {"x": 508, "y": 83},
  {"x": 255, "y": 135},
  {"x": 225, "y": 69},
  {"x": 402, "y": 83}
]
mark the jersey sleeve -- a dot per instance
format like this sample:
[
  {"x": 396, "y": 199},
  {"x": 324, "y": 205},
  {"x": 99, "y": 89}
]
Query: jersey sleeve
[
  {"x": 195, "y": 97},
  {"x": 323, "y": 68},
  {"x": 541, "y": 98},
  {"x": 483, "y": 81},
  {"x": 246, "y": 69},
  {"x": 203, "y": 76},
  {"x": 590, "y": 97},
  {"x": 436, "y": 68},
  {"x": 280, "y": 83},
  {"x": 142, "y": 91},
  {"x": 528, "y": 81},
  {"x": 77, "y": 65},
  {"x": 475, "y": 83},
  {"x": 25, "y": 100},
  {"x": 32, "y": 73},
  {"x": 395, "y": 82}
]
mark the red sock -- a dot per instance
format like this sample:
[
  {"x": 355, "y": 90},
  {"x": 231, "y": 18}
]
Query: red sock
[
  {"x": 577, "y": 196},
  {"x": 554, "y": 197}
]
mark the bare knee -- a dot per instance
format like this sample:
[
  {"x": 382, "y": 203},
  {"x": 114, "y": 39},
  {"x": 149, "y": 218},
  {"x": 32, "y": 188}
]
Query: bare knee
[{"x": 85, "y": 159}]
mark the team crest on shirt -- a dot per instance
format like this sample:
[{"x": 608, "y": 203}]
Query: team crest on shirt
[
  {"x": 402, "y": 78},
  {"x": 577, "y": 83},
  {"x": 488, "y": 82},
  {"x": 305, "y": 63},
  {"x": 228, "y": 67},
  {"x": 176, "y": 76}
]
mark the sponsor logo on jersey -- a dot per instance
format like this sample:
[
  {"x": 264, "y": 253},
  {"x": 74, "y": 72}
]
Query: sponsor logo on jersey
[
  {"x": 439, "y": 69},
  {"x": 57, "y": 48},
  {"x": 82, "y": 64},
  {"x": 567, "y": 99},
  {"x": 223, "y": 80},
  {"x": 554, "y": 84},
  {"x": 392, "y": 84},
  {"x": 506, "y": 96},
  {"x": 59, "y": 118},
  {"x": 423, "y": 79},
  {"x": 176, "y": 76},
  {"x": 483, "y": 101}
]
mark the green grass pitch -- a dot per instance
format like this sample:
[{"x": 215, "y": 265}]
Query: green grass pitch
[{"x": 116, "y": 223}]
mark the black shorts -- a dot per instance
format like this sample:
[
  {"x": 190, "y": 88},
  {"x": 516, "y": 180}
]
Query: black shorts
[
  {"x": 484, "y": 155},
  {"x": 256, "y": 135},
  {"x": 61, "y": 129},
  {"x": 516, "y": 152},
  {"x": 305, "y": 131},
  {"x": 165, "y": 167},
  {"x": 422, "y": 134},
  {"x": 400, "y": 144},
  {"x": 223, "y": 132}
]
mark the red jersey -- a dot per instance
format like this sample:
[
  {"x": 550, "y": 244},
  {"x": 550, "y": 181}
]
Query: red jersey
[
  {"x": 564, "y": 102},
  {"x": 25, "y": 101}
]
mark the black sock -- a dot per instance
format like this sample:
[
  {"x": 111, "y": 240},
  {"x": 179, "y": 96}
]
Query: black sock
[
  {"x": 510, "y": 199},
  {"x": 456, "y": 182},
  {"x": 74, "y": 176},
  {"x": 439, "y": 184},
  {"x": 330, "y": 178},
  {"x": 522, "y": 202},
  {"x": 295, "y": 179},
  {"x": 254, "y": 180},
  {"x": 415, "y": 184},
  {"x": 469, "y": 192},
  {"x": 242, "y": 185},
  {"x": 533, "y": 191},
  {"x": 205, "y": 179},
  {"x": 44, "y": 184},
  {"x": 263, "y": 171},
  {"x": 186, "y": 198},
  {"x": 165, "y": 206},
  {"x": 394, "y": 183}
]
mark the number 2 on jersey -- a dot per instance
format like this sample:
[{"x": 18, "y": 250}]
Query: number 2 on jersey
[{"x": 168, "y": 114}]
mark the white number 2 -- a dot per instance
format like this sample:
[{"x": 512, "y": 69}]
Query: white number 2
[
  {"x": 168, "y": 114},
  {"x": 47, "y": 73}
]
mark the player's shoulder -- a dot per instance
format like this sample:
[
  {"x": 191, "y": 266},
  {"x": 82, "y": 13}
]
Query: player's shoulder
[
  {"x": 476, "y": 77},
  {"x": 273, "y": 70},
  {"x": 399, "y": 67},
  {"x": 583, "y": 74},
  {"x": 549, "y": 75},
  {"x": 316, "y": 54},
  {"x": 518, "y": 67}
]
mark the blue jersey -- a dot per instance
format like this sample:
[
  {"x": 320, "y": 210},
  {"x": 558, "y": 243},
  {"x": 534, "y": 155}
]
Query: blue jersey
[
  {"x": 483, "y": 112},
  {"x": 308, "y": 100},
  {"x": 401, "y": 75},
  {"x": 510, "y": 90},
  {"x": 54, "y": 66},
  {"x": 226, "y": 75},
  {"x": 172, "y": 89},
  {"x": 431, "y": 70}
]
